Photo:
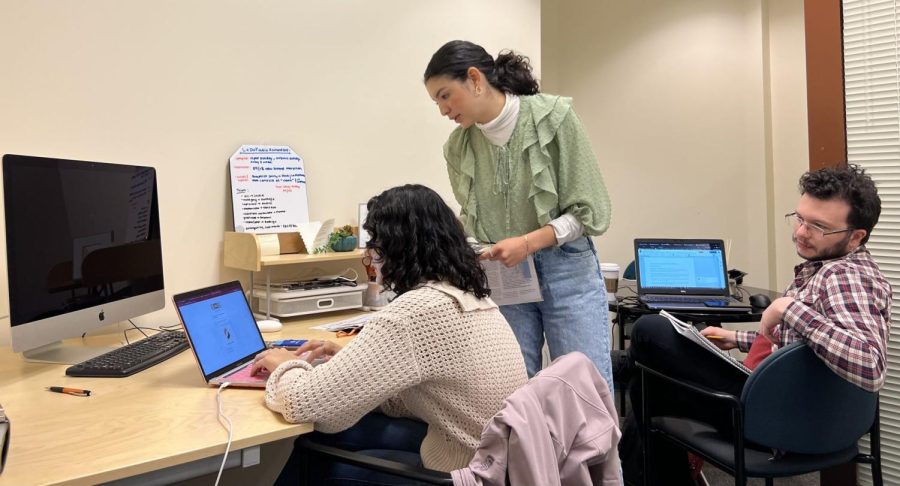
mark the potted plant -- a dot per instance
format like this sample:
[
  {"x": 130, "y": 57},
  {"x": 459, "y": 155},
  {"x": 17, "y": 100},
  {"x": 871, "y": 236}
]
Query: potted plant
[{"x": 342, "y": 239}]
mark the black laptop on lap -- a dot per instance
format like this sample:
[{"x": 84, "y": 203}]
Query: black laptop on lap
[{"x": 684, "y": 275}]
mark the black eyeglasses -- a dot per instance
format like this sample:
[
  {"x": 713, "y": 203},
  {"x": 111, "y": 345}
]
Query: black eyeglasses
[{"x": 796, "y": 222}]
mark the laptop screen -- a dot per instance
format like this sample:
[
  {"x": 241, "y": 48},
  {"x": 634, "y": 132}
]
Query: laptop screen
[
  {"x": 688, "y": 267},
  {"x": 220, "y": 327}
]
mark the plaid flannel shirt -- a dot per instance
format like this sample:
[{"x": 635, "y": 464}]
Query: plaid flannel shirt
[{"x": 842, "y": 310}]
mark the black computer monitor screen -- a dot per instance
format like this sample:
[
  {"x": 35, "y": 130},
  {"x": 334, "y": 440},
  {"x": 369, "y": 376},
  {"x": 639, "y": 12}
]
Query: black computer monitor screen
[{"x": 83, "y": 250}]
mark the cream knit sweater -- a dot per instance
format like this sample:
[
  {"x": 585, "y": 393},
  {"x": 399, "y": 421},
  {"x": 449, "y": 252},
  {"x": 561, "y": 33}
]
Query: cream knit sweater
[{"x": 434, "y": 353}]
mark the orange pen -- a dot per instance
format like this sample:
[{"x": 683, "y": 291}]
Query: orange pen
[{"x": 70, "y": 391}]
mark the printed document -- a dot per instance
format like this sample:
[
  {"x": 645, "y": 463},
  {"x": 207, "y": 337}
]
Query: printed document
[
  {"x": 514, "y": 285},
  {"x": 345, "y": 324},
  {"x": 691, "y": 332}
]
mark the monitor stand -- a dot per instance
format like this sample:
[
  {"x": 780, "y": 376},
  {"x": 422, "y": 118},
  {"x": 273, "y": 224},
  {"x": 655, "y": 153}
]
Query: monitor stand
[{"x": 60, "y": 353}]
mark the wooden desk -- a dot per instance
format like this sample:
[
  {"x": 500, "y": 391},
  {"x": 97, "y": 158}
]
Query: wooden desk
[{"x": 161, "y": 417}]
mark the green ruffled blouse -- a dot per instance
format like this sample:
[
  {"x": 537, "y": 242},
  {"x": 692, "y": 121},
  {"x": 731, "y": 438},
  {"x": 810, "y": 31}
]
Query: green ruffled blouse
[{"x": 546, "y": 169}]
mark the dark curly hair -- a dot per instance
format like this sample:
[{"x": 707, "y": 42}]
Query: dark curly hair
[
  {"x": 510, "y": 73},
  {"x": 851, "y": 185},
  {"x": 420, "y": 239}
]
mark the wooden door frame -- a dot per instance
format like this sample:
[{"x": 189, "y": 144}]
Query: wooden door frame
[
  {"x": 827, "y": 121},
  {"x": 825, "y": 83}
]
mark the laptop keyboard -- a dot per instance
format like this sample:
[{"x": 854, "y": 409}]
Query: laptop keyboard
[
  {"x": 134, "y": 357},
  {"x": 682, "y": 299}
]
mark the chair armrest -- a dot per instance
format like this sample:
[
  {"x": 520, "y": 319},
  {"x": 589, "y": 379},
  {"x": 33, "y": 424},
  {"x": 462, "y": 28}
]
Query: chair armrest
[
  {"x": 377, "y": 464},
  {"x": 732, "y": 400},
  {"x": 734, "y": 403}
]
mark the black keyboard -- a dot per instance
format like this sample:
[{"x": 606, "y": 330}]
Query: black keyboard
[{"x": 134, "y": 357}]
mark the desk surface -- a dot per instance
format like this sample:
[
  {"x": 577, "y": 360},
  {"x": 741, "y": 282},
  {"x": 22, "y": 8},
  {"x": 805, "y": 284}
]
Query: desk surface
[{"x": 160, "y": 417}]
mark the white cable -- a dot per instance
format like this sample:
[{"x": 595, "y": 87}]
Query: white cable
[
  {"x": 343, "y": 275},
  {"x": 226, "y": 424},
  {"x": 355, "y": 276}
]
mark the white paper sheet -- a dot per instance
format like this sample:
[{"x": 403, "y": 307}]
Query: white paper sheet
[
  {"x": 691, "y": 332},
  {"x": 515, "y": 285},
  {"x": 345, "y": 324},
  {"x": 315, "y": 234}
]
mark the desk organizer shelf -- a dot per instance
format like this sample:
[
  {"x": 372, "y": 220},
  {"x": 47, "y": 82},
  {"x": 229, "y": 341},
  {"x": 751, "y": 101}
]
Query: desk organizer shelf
[{"x": 243, "y": 251}]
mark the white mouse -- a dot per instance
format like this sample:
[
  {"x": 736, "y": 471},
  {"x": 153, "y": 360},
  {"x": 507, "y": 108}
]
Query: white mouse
[{"x": 268, "y": 325}]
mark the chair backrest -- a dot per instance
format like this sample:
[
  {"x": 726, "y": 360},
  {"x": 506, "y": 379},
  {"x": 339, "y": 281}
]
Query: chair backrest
[
  {"x": 629, "y": 272},
  {"x": 794, "y": 402}
]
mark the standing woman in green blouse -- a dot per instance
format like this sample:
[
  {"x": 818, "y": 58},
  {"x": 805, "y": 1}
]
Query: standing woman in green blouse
[{"x": 523, "y": 170}]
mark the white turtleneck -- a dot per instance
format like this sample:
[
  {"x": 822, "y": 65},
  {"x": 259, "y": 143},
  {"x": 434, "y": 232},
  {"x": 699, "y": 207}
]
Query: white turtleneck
[{"x": 498, "y": 131}]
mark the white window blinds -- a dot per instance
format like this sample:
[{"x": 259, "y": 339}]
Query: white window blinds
[{"x": 873, "y": 142}]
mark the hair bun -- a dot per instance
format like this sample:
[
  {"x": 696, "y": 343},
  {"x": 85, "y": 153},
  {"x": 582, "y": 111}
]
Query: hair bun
[{"x": 514, "y": 74}]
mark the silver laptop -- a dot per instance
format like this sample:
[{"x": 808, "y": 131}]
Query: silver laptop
[
  {"x": 684, "y": 275},
  {"x": 223, "y": 334}
]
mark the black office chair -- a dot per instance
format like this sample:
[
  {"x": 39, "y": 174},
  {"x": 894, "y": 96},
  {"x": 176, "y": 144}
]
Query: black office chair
[
  {"x": 314, "y": 450},
  {"x": 569, "y": 394},
  {"x": 792, "y": 403},
  {"x": 629, "y": 272}
]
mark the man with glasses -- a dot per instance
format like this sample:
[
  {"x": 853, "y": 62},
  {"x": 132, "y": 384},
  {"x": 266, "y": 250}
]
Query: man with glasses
[{"x": 839, "y": 304}]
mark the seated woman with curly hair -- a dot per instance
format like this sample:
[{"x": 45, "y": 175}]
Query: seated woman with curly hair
[{"x": 437, "y": 362}]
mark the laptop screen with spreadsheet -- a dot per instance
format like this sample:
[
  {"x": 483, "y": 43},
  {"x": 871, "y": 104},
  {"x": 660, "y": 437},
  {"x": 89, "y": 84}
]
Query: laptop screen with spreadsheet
[{"x": 681, "y": 267}]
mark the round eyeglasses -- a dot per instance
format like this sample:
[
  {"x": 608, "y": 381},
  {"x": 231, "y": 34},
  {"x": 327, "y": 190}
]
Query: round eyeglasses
[{"x": 795, "y": 221}]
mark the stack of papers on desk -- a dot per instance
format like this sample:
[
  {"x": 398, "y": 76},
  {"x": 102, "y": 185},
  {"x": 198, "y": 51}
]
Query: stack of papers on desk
[{"x": 346, "y": 324}]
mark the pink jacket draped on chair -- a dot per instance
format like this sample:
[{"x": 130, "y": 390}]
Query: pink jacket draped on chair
[{"x": 559, "y": 429}]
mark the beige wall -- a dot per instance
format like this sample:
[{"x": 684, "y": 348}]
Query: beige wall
[
  {"x": 697, "y": 110},
  {"x": 181, "y": 85},
  {"x": 682, "y": 101},
  {"x": 790, "y": 138}
]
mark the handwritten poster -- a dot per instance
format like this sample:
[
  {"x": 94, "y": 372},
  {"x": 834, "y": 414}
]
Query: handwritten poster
[{"x": 268, "y": 189}]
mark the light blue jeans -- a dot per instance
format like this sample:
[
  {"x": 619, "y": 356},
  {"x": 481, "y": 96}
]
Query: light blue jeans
[{"x": 574, "y": 315}]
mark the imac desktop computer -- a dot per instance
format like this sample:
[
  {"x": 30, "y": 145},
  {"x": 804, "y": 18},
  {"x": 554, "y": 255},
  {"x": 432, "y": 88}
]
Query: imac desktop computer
[{"x": 83, "y": 250}]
